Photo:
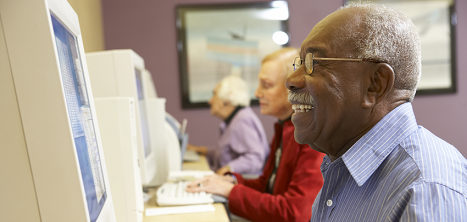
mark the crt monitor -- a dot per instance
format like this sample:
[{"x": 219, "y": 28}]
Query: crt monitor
[
  {"x": 155, "y": 108},
  {"x": 119, "y": 73},
  {"x": 118, "y": 133},
  {"x": 143, "y": 113},
  {"x": 53, "y": 167},
  {"x": 149, "y": 84},
  {"x": 179, "y": 130},
  {"x": 152, "y": 110}
]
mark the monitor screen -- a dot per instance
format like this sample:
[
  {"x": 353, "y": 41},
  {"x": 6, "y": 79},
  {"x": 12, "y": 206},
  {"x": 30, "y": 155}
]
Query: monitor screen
[
  {"x": 143, "y": 114},
  {"x": 81, "y": 119}
]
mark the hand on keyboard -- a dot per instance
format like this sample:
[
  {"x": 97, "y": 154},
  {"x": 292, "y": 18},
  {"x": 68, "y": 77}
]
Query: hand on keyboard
[
  {"x": 211, "y": 184},
  {"x": 175, "y": 194}
]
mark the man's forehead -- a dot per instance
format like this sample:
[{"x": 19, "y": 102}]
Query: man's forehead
[
  {"x": 271, "y": 77},
  {"x": 270, "y": 69},
  {"x": 325, "y": 35},
  {"x": 320, "y": 50},
  {"x": 318, "y": 41},
  {"x": 263, "y": 76}
]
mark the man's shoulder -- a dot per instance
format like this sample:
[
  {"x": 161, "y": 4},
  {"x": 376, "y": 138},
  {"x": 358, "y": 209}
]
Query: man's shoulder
[
  {"x": 246, "y": 121},
  {"x": 437, "y": 161},
  {"x": 245, "y": 114}
]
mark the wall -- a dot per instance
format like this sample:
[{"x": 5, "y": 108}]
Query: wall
[
  {"x": 148, "y": 27},
  {"x": 444, "y": 115},
  {"x": 90, "y": 22}
]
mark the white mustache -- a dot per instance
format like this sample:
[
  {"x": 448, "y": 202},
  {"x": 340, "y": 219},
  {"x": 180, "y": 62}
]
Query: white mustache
[{"x": 301, "y": 97}]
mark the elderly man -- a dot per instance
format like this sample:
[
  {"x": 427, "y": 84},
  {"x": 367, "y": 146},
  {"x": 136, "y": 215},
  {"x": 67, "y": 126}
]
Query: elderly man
[
  {"x": 291, "y": 178},
  {"x": 352, "y": 90},
  {"x": 243, "y": 146}
]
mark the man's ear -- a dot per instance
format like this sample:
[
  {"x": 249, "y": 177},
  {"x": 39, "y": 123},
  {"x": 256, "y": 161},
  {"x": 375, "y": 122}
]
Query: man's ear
[{"x": 380, "y": 81}]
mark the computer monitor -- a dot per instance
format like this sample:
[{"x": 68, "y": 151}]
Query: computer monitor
[
  {"x": 179, "y": 130},
  {"x": 149, "y": 84},
  {"x": 171, "y": 143},
  {"x": 173, "y": 150},
  {"x": 117, "y": 125},
  {"x": 52, "y": 164},
  {"x": 156, "y": 121},
  {"x": 119, "y": 73}
]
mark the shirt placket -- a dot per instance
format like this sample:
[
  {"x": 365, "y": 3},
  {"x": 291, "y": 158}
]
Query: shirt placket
[
  {"x": 333, "y": 184},
  {"x": 330, "y": 204}
]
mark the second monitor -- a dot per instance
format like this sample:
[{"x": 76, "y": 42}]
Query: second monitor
[{"x": 119, "y": 73}]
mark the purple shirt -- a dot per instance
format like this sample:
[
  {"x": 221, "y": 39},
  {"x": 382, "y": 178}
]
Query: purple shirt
[{"x": 243, "y": 144}]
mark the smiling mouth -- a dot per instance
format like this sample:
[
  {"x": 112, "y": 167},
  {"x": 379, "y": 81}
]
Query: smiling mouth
[{"x": 301, "y": 108}]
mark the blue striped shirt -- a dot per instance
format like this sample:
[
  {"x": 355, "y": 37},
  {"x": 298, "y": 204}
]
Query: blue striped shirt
[{"x": 398, "y": 171}]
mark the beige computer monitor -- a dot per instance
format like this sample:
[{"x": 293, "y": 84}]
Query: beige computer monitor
[
  {"x": 119, "y": 73},
  {"x": 52, "y": 163}
]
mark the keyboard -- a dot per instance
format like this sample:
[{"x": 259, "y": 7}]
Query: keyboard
[
  {"x": 173, "y": 193},
  {"x": 181, "y": 175},
  {"x": 191, "y": 156}
]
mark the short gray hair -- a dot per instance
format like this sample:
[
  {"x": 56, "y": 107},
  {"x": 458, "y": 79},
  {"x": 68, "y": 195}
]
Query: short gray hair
[
  {"x": 235, "y": 90},
  {"x": 388, "y": 35}
]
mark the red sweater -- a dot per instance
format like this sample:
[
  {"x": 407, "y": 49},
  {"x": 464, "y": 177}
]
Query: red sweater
[{"x": 297, "y": 183}]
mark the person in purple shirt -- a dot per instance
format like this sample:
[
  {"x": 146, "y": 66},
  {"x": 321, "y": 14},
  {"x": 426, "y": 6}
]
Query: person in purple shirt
[{"x": 242, "y": 146}]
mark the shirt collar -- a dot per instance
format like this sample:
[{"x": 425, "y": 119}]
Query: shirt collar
[
  {"x": 367, "y": 154},
  {"x": 231, "y": 116},
  {"x": 281, "y": 122}
]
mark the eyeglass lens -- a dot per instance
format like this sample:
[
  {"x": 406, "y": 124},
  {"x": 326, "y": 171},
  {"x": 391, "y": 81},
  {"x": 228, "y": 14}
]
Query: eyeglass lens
[
  {"x": 297, "y": 62},
  {"x": 308, "y": 63}
]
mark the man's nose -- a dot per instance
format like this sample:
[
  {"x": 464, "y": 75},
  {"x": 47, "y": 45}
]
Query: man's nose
[
  {"x": 257, "y": 94},
  {"x": 295, "y": 81}
]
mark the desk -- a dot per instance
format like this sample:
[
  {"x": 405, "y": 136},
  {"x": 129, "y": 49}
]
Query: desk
[
  {"x": 219, "y": 215},
  {"x": 202, "y": 164}
]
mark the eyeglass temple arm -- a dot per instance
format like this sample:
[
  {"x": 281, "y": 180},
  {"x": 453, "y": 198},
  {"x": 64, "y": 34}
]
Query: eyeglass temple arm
[{"x": 341, "y": 59}]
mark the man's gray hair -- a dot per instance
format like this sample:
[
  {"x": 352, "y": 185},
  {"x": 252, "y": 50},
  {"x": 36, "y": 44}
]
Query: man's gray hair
[
  {"x": 388, "y": 35},
  {"x": 235, "y": 90}
]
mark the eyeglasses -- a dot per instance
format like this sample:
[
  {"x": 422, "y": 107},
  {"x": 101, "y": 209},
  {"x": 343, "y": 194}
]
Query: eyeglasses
[{"x": 310, "y": 61}]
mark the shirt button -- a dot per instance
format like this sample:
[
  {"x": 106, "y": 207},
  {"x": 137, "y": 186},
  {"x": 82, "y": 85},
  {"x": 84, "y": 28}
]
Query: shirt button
[{"x": 329, "y": 203}]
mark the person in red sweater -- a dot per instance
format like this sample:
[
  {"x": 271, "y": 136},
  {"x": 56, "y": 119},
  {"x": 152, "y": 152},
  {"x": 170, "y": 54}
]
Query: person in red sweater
[{"x": 291, "y": 177}]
